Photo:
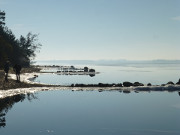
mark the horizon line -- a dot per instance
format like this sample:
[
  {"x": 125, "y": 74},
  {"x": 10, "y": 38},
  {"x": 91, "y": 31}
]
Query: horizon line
[{"x": 106, "y": 60}]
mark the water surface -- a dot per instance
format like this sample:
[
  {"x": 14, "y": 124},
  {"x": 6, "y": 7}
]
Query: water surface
[
  {"x": 96, "y": 113},
  {"x": 92, "y": 112},
  {"x": 151, "y": 73}
]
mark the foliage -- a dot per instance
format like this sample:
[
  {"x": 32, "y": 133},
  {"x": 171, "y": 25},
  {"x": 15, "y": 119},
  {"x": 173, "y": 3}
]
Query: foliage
[{"x": 21, "y": 51}]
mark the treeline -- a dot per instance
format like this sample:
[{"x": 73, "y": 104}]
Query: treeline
[{"x": 17, "y": 51}]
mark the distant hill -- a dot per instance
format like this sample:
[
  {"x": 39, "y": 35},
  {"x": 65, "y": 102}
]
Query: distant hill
[{"x": 105, "y": 62}]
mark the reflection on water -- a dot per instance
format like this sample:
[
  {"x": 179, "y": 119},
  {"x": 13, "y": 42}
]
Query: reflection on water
[
  {"x": 118, "y": 74},
  {"x": 91, "y": 75},
  {"x": 91, "y": 113},
  {"x": 7, "y": 103}
]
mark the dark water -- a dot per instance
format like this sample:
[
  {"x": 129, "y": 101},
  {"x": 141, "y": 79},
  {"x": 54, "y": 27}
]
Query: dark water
[{"x": 91, "y": 113}]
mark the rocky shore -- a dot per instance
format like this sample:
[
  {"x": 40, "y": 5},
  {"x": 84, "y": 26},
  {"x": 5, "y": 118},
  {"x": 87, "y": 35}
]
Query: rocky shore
[
  {"x": 12, "y": 87},
  {"x": 124, "y": 84}
]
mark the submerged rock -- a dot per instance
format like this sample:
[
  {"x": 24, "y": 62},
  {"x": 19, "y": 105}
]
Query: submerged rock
[
  {"x": 126, "y": 91},
  {"x": 100, "y": 90}
]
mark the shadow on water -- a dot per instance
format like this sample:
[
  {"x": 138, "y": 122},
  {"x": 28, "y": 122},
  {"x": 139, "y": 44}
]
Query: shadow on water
[{"x": 7, "y": 103}]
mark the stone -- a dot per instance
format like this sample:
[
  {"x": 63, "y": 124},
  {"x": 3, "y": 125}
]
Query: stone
[
  {"x": 126, "y": 91},
  {"x": 119, "y": 85},
  {"x": 138, "y": 84},
  {"x": 86, "y": 69},
  {"x": 127, "y": 84},
  {"x": 170, "y": 82},
  {"x": 91, "y": 70}
]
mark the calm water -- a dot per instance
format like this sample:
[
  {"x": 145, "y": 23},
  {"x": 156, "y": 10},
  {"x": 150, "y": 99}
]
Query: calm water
[
  {"x": 64, "y": 112},
  {"x": 93, "y": 113},
  {"x": 155, "y": 74}
]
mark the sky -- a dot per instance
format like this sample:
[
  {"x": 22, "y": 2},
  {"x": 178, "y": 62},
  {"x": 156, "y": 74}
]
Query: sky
[{"x": 98, "y": 29}]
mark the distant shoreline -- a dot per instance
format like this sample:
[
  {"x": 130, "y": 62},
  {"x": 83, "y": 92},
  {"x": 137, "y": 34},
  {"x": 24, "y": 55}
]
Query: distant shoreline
[{"x": 105, "y": 62}]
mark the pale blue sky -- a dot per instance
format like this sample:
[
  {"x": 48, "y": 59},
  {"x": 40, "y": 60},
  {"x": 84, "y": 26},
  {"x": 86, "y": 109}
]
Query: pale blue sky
[{"x": 99, "y": 29}]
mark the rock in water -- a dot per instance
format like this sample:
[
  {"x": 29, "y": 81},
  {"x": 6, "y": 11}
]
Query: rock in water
[
  {"x": 170, "y": 82},
  {"x": 138, "y": 84},
  {"x": 127, "y": 84}
]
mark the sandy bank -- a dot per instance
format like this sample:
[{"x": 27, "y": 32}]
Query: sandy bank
[{"x": 26, "y": 77}]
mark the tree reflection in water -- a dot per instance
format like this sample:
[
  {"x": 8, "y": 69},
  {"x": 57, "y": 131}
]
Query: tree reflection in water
[{"x": 7, "y": 103}]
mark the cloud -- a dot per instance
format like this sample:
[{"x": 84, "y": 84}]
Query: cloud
[{"x": 177, "y": 18}]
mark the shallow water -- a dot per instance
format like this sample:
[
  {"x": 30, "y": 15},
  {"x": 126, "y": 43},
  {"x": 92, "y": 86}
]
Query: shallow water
[
  {"x": 70, "y": 112},
  {"x": 155, "y": 74},
  {"x": 92, "y": 112}
]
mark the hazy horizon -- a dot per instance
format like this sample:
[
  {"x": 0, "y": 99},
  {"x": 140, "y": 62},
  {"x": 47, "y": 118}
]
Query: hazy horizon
[{"x": 106, "y": 62}]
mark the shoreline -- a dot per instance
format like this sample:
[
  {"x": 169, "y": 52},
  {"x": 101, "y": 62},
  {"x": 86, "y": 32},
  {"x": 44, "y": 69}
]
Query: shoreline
[
  {"x": 31, "y": 87},
  {"x": 12, "y": 92}
]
